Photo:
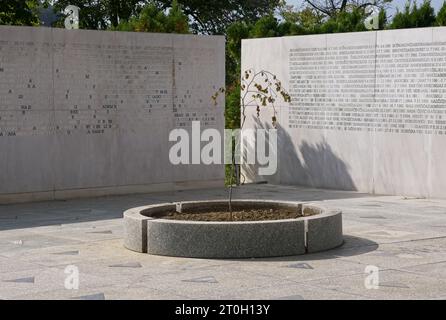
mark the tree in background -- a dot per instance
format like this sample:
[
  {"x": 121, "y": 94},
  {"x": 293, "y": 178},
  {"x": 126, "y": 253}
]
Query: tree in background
[
  {"x": 102, "y": 14},
  {"x": 234, "y": 35},
  {"x": 402, "y": 19},
  {"x": 345, "y": 21},
  {"x": 154, "y": 19},
  {"x": 206, "y": 16},
  {"x": 425, "y": 15},
  {"x": 383, "y": 22},
  {"x": 308, "y": 19},
  {"x": 441, "y": 16},
  {"x": 19, "y": 12},
  {"x": 215, "y": 16},
  {"x": 414, "y": 17},
  {"x": 334, "y": 7},
  {"x": 267, "y": 26}
]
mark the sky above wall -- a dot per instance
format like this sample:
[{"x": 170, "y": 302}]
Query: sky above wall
[{"x": 436, "y": 4}]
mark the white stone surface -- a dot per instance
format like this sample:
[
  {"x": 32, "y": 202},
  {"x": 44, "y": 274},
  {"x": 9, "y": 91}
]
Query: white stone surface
[
  {"x": 89, "y": 112},
  {"x": 368, "y": 110}
]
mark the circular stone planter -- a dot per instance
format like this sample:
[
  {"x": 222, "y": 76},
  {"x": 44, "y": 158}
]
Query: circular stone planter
[{"x": 146, "y": 231}]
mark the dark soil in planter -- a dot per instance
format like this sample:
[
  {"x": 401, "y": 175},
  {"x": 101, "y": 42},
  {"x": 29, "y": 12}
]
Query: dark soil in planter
[{"x": 241, "y": 214}]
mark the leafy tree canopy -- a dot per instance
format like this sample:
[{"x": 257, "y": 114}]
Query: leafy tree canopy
[
  {"x": 308, "y": 18},
  {"x": 334, "y": 7},
  {"x": 345, "y": 21},
  {"x": 441, "y": 16},
  {"x": 205, "y": 16},
  {"x": 154, "y": 19},
  {"x": 19, "y": 12},
  {"x": 214, "y": 16},
  {"x": 414, "y": 17},
  {"x": 102, "y": 14}
]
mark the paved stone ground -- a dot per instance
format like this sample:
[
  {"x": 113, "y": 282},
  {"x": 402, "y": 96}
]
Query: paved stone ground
[{"x": 404, "y": 237}]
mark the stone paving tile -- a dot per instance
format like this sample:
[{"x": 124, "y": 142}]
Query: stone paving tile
[
  {"x": 89, "y": 233},
  {"x": 404, "y": 237},
  {"x": 80, "y": 226},
  {"x": 137, "y": 292},
  {"x": 399, "y": 255},
  {"x": 391, "y": 234},
  {"x": 294, "y": 292},
  {"x": 434, "y": 269},
  {"x": 13, "y": 245},
  {"x": 7, "y": 236},
  {"x": 10, "y": 265},
  {"x": 208, "y": 283},
  {"x": 10, "y": 284},
  {"x": 45, "y": 279},
  {"x": 299, "y": 270},
  {"x": 117, "y": 292},
  {"x": 71, "y": 254},
  {"x": 393, "y": 284},
  {"x": 132, "y": 268}
]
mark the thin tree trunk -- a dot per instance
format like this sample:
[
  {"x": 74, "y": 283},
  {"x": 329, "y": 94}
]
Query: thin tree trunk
[
  {"x": 231, "y": 180},
  {"x": 230, "y": 190}
]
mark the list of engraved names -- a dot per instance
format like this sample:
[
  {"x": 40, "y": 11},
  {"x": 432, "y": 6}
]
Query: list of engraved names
[
  {"x": 394, "y": 88},
  {"x": 50, "y": 87}
]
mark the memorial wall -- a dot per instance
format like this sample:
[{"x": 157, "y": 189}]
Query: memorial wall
[
  {"x": 89, "y": 112},
  {"x": 367, "y": 111}
]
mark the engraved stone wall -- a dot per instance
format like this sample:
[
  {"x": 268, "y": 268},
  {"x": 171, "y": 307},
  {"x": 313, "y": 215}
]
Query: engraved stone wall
[
  {"x": 368, "y": 110},
  {"x": 89, "y": 109},
  {"x": 388, "y": 88}
]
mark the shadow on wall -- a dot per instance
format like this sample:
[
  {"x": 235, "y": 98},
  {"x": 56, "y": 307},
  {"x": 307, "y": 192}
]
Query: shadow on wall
[{"x": 311, "y": 165}]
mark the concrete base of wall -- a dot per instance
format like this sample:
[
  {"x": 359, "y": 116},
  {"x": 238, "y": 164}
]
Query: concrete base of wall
[{"x": 107, "y": 191}]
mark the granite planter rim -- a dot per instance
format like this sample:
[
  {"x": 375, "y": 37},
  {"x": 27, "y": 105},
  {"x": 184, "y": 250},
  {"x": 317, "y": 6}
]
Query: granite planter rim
[
  {"x": 138, "y": 212},
  {"x": 231, "y": 239}
]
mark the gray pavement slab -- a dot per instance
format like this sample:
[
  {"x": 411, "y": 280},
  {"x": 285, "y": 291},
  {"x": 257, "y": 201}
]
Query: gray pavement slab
[{"x": 405, "y": 238}]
